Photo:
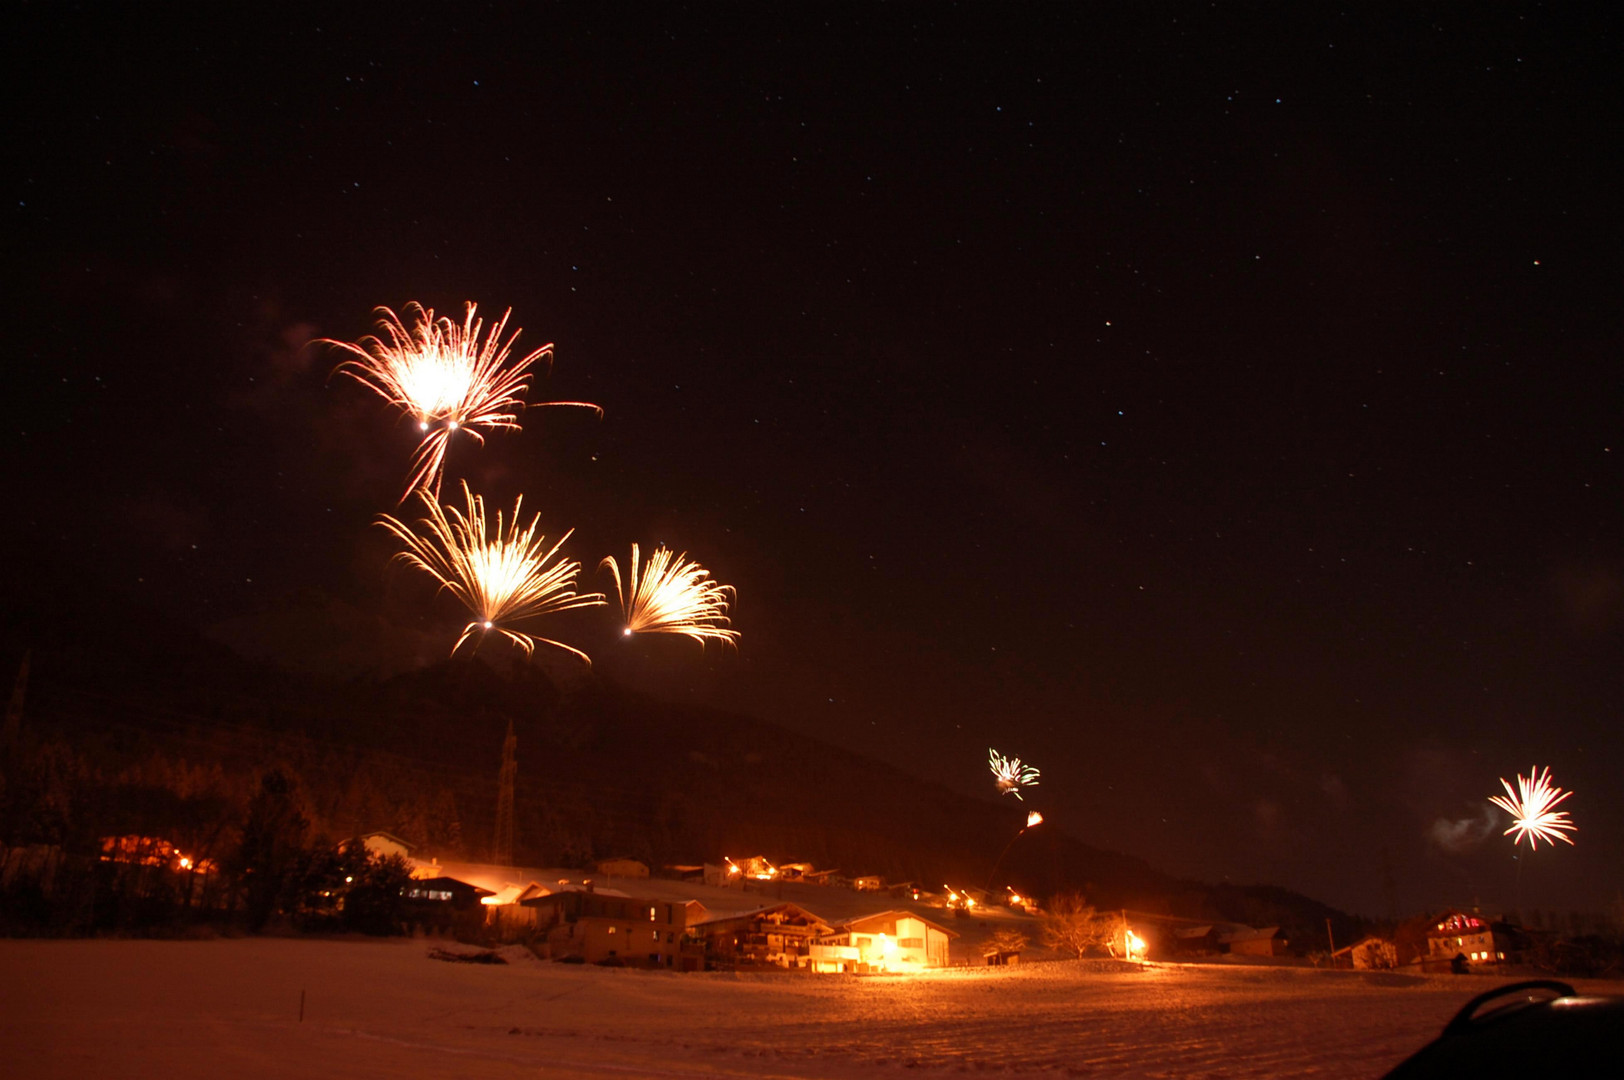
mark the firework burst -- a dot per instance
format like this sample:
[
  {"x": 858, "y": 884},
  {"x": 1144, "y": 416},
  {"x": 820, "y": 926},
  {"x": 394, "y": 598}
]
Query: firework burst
[
  {"x": 447, "y": 376},
  {"x": 672, "y": 594},
  {"x": 502, "y": 575},
  {"x": 1533, "y": 809},
  {"x": 1010, "y": 774}
]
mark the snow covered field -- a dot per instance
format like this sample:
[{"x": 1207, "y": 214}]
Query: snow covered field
[{"x": 140, "y": 1009}]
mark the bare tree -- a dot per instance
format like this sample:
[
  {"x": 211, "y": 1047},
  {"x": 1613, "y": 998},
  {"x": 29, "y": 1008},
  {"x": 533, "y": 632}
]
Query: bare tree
[
  {"x": 1004, "y": 941},
  {"x": 1071, "y": 923}
]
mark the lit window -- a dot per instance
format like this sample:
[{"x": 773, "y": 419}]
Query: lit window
[
  {"x": 651, "y": 913},
  {"x": 656, "y": 934},
  {"x": 611, "y": 929}
]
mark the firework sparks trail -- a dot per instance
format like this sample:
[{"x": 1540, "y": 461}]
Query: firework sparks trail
[
  {"x": 672, "y": 594},
  {"x": 448, "y": 377},
  {"x": 1533, "y": 809},
  {"x": 502, "y": 575},
  {"x": 1010, "y": 774}
]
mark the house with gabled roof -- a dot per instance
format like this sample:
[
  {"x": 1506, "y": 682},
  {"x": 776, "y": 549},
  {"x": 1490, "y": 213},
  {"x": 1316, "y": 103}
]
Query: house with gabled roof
[
  {"x": 1458, "y": 940},
  {"x": 883, "y": 942},
  {"x": 1246, "y": 941},
  {"x": 779, "y": 935},
  {"x": 383, "y": 844},
  {"x": 602, "y": 926},
  {"x": 1369, "y": 953}
]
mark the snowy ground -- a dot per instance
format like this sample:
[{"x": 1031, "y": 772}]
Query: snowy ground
[{"x": 139, "y": 1009}]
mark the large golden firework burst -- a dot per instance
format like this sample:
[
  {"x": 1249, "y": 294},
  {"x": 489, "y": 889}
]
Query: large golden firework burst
[
  {"x": 447, "y": 376},
  {"x": 502, "y": 575},
  {"x": 672, "y": 594}
]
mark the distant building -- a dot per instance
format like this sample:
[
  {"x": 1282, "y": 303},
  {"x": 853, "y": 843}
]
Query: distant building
[
  {"x": 622, "y": 868},
  {"x": 1199, "y": 940},
  {"x": 442, "y": 905},
  {"x": 755, "y": 868},
  {"x": 702, "y": 873},
  {"x": 505, "y": 913},
  {"x": 1456, "y": 939},
  {"x": 383, "y": 844},
  {"x": 868, "y": 883},
  {"x": 1367, "y": 954},
  {"x": 777, "y": 936},
  {"x": 887, "y": 941},
  {"x": 1245, "y": 941},
  {"x": 601, "y": 928}
]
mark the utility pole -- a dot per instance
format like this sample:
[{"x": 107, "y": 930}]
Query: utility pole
[
  {"x": 1330, "y": 937},
  {"x": 502, "y": 849}
]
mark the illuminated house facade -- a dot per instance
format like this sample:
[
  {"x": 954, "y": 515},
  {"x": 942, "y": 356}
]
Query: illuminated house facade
[
  {"x": 888, "y": 941},
  {"x": 778, "y": 936},
  {"x": 1457, "y": 934},
  {"x": 755, "y": 868},
  {"x": 600, "y": 928}
]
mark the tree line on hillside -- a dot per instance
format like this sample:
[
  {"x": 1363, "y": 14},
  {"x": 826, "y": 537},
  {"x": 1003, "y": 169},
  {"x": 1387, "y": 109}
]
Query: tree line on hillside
[{"x": 159, "y": 845}]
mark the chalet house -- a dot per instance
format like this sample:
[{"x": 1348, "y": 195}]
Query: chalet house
[
  {"x": 444, "y": 890},
  {"x": 505, "y": 913},
  {"x": 1455, "y": 939},
  {"x": 442, "y": 904},
  {"x": 1199, "y": 940},
  {"x": 602, "y": 928},
  {"x": 382, "y": 845},
  {"x": 1367, "y": 954},
  {"x": 868, "y": 883},
  {"x": 622, "y": 868},
  {"x": 780, "y": 935},
  {"x": 702, "y": 873},
  {"x": 1245, "y": 941},
  {"x": 887, "y": 941},
  {"x": 1171, "y": 935}
]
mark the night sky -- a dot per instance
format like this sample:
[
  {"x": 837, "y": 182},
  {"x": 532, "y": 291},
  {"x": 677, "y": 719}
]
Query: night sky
[{"x": 1218, "y": 407}]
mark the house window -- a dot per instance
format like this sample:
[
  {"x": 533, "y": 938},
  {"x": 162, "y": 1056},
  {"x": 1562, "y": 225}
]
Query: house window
[
  {"x": 611, "y": 929},
  {"x": 651, "y": 913},
  {"x": 656, "y": 934}
]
